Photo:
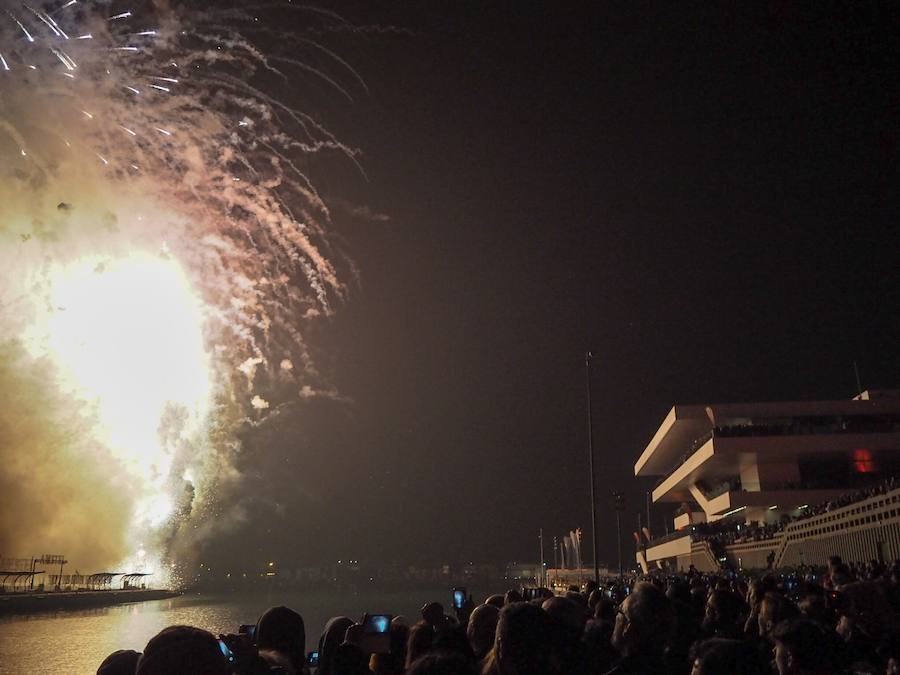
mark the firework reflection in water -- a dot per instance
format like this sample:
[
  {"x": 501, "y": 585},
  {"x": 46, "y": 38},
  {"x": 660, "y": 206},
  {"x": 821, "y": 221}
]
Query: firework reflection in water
[{"x": 161, "y": 246}]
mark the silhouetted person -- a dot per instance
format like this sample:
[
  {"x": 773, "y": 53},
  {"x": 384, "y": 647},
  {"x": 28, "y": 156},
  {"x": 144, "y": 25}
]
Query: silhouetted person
[
  {"x": 718, "y": 656},
  {"x": 453, "y": 639},
  {"x": 774, "y": 609},
  {"x": 393, "y": 663},
  {"x": 122, "y": 662},
  {"x": 802, "y": 648},
  {"x": 182, "y": 650},
  {"x": 568, "y": 619},
  {"x": 331, "y": 638},
  {"x": 421, "y": 638},
  {"x": 482, "y": 628},
  {"x": 349, "y": 659},
  {"x": 644, "y": 624},
  {"x": 512, "y": 596},
  {"x": 433, "y": 614},
  {"x": 724, "y": 611},
  {"x": 522, "y": 644},
  {"x": 280, "y": 634}
]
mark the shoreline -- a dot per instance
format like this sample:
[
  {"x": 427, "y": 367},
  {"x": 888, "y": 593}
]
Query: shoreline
[{"x": 36, "y": 603}]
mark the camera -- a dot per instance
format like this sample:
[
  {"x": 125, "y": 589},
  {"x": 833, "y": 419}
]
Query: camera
[
  {"x": 459, "y": 598},
  {"x": 312, "y": 659}
]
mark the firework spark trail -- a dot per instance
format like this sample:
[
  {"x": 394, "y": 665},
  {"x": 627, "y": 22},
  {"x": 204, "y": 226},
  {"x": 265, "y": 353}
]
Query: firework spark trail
[{"x": 160, "y": 245}]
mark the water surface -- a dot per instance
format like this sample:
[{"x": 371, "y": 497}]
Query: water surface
[{"x": 76, "y": 642}]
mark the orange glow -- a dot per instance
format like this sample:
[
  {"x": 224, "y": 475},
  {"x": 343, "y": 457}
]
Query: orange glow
[{"x": 863, "y": 462}]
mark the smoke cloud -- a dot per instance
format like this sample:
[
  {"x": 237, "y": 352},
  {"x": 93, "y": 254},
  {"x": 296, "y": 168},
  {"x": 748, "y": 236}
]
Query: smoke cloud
[{"x": 161, "y": 247}]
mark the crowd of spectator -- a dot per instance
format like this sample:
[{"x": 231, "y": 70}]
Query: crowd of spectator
[
  {"x": 728, "y": 532},
  {"x": 880, "y": 488},
  {"x": 843, "y": 620}
]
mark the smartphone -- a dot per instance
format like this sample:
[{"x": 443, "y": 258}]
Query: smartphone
[
  {"x": 312, "y": 659},
  {"x": 248, "y": 629},
  {"x": 459, "y": 597},
  {"x": 226, "y": 652},
  {"x": 376, "y": 637},
  {"x": 377, "y": 623}
]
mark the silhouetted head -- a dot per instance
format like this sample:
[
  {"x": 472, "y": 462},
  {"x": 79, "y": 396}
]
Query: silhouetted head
[
  {"x": 421, "y": 637},
  {"x": 453, "y": 639},
  {"x": 644, "y": 623},
  {"x": 281, "y": 629},
  {"x": 122, "y": 662},
  {"x": 723, "y": 611},
  {"x": 482, "y": 629},
  {"x": 578, "y": 598},
  {"x": 567, "y": 613},
  {"x": 679, "y": 591},
  {"x": 332, "y": 636},
  {"x": 774, "y": 609},
  {"x": 801, "y": 646},
  {"x": 523, "y": 640},
  {"x": 349, "y": 659},
  {"x": 512, "y": 596},
  {"x": 433, "y": 613},
  {"x": 182, "y": 650},
  {"x": 758, "y": 588},
  {"x": 718, "y": 656},
  {"x": 496, "y": 600},
  {"x": 841, "y": 575},
  {"x": 605, "y": 611}
]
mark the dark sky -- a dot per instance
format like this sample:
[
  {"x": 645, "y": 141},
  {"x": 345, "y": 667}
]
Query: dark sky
[{"x": 704, "y": 195}]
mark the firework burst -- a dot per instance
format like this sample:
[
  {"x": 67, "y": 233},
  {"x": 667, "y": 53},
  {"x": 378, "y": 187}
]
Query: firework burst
[{"x": 161, "y": 241}]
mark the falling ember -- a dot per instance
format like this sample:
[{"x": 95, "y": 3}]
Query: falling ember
[{"x": 161, "y": 246}]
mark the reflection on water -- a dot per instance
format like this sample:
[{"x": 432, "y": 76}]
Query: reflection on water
[{"x": 76, "y": 642}]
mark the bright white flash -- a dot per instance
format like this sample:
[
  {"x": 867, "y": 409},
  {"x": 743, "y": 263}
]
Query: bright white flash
[{"x": 127, "y": 336}]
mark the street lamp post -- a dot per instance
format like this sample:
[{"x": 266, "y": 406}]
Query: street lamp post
[
  {"x": 619, "y": 504},
  {"x": 587, "y": 367}
]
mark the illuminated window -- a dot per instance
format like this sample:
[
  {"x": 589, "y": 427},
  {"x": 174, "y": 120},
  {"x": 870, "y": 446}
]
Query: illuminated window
[{"x": 863, "y": 462}]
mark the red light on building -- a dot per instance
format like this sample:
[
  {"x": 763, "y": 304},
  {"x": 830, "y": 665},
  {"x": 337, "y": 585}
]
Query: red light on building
[{"x": 863, "y": 462}]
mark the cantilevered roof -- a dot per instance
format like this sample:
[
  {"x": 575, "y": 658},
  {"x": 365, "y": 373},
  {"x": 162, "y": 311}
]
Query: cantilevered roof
[
  {"x": 686, "y": 423},
  {"x": 678, "y": 430}
]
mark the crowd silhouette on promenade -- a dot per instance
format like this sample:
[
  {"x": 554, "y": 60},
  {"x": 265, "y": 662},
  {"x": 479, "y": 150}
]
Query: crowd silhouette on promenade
[
  {"x": 727, "y": 532},
  {"x": 843, "y": 619}
]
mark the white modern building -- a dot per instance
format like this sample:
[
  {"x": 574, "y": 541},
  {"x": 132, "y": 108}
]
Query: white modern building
[{"x": 765, "y": 464}]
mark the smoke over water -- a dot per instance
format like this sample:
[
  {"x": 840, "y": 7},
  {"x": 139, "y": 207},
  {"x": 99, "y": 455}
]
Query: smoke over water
[{"x": 161, "y": 248}]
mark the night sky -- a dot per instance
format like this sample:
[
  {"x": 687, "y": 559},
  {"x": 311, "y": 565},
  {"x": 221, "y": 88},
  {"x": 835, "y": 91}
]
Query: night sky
[{"x": 704, "y": 195}]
